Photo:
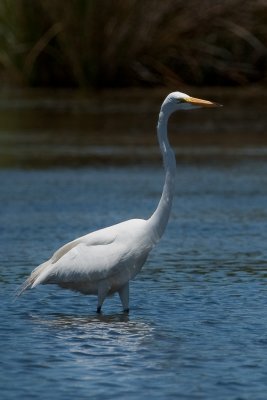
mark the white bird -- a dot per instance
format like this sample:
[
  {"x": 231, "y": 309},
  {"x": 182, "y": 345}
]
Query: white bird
[{"x": 103, "y": 262}]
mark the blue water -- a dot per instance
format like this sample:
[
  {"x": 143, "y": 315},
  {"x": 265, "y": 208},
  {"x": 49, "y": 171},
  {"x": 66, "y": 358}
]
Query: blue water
[{"x": 197, "y": 328}]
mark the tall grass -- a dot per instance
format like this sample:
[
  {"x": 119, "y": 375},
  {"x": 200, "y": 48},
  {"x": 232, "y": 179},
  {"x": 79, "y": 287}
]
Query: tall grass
[{"x": 133, "y": 42}]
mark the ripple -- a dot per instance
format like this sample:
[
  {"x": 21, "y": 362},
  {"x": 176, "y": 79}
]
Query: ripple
[{"x": 197, "y": 325}]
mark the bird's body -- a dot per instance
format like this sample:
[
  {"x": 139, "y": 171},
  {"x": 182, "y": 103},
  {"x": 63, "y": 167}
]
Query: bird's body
[
  {"x": 103, "y": 262},
  {"x": 99, "y": 263}
]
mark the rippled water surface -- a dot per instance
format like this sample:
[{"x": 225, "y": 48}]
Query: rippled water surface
[
  {"x": 71, "y": 163},
  {"x": 198, "y": 322}
]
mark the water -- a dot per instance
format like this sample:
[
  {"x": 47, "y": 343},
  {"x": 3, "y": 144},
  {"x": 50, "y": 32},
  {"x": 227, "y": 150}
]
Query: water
[{"x": 197, "y": 326}]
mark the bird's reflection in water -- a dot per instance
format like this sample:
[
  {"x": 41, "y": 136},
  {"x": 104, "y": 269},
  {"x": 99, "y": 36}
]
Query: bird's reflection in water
[
  {"x": 95, "y": 335},
  {"x": 68, "y": 320},
  {"x": 61, "y": 320}
]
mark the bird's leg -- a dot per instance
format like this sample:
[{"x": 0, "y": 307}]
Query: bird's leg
[
  {"x": 101, "y": 295},
  {"x": 124, "y": 296}
]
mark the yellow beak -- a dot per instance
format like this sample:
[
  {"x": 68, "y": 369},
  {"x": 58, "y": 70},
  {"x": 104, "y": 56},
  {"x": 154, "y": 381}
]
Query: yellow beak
[{"x": 201, "y": 103}]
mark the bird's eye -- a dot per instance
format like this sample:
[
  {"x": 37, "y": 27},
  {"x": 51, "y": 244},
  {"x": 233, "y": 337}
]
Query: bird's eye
[{"x": 181, "y": 100}]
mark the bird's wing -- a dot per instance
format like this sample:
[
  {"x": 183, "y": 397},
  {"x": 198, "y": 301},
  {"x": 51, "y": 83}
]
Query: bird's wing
[
  {"x": 99, "y": 237},
  {"x": 40, "y": 273},
  {"x": 93, "y": 257},
  {"x": 85, "y": 263}
]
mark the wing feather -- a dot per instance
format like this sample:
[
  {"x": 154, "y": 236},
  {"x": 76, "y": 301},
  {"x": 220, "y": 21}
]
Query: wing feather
[
  {"x": 85, "y": 263},
  {"x": 95, "y": 256}
]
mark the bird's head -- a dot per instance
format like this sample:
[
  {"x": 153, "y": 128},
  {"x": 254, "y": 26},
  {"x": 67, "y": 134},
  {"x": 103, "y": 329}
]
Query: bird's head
[{"x": 180, "y": 101}]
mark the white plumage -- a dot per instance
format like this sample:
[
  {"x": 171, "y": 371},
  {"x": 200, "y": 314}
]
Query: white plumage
[{"x": 103, "y": 262}]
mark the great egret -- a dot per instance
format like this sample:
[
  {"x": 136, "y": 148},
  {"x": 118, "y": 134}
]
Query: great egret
[{"x": 103, "y": 262}]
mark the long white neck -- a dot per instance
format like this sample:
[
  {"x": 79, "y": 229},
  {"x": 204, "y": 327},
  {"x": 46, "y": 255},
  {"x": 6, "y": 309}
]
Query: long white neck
[{"x": 158, "y": 221}]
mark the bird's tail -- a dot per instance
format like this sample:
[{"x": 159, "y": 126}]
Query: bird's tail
[
  {"x": 30, "y": 281},
  {"x": 27, "y": 284}
]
